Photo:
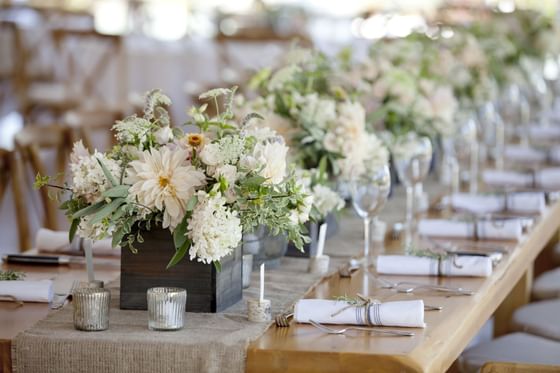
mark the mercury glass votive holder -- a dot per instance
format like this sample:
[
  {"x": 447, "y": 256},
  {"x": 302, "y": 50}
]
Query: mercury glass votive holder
[
  {"x": 91, "y": 308},
  {"x": 166, "y": 308}
]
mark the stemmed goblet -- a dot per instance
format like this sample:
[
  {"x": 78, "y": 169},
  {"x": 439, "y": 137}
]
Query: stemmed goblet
[
  {"x": 412, "y": 155},
  {"x": 369, "y": 194}
]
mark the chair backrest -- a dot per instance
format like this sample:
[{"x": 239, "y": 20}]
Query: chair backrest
[
  {"x": 30, "y": 142},
  {"x": 247, "y": 51},
  {"x": 94, "y": 66},
  {"x": 11, "y": 173},
  {"x": 10, "y": 46}
]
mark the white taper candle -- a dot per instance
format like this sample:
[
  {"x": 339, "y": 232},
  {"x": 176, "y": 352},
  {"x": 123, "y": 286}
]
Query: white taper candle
[
  {"x": 322, "y": 237},
  {"x": 261, "y": 297}
]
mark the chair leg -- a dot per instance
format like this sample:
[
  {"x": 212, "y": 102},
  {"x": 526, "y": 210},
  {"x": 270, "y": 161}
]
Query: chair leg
[{"x": 19, "y": 202}]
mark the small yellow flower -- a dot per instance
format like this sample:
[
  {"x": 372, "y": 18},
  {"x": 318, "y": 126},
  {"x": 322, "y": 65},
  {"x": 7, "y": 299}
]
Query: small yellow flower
[{"x": 195, "y": 139}]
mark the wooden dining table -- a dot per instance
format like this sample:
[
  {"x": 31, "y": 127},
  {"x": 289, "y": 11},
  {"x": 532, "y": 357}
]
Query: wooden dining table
[
  {"x": 303, "y": 348},
  {"x": 15, "y": 318}
]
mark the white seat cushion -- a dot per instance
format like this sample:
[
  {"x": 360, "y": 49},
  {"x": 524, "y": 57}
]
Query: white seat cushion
[
  {"x": 539, "y": 318},
  {"x": 515, "y": 348},
  {"x": 547, "y": 285}
]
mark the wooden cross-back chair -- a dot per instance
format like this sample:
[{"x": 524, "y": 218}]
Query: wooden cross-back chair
[
  {"x": 90, "y": 74},
  {"x": 256, "y": 38},
  {"x": 10, "y": 49},
  {"x": 30, "y": 142},
  {"x": 11, "y": 173}
]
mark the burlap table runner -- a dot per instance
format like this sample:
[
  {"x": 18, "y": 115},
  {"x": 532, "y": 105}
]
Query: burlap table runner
[{"x": 208, "y": 343}]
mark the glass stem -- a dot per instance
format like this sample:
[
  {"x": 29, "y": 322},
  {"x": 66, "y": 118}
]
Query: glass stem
[
  {"x": 409, "y": 214},
  {"x": 366, "y": 237}
]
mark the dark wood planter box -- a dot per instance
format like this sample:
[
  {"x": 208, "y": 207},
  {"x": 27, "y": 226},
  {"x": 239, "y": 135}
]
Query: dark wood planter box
[
  {"x": 207, "y": 289},
  {"x": 310, "y": 249}
]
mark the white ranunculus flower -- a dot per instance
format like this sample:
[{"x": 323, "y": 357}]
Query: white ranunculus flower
[
  {"x": 163, "y": 180},
  {"x": 214, "y": 229},
  {"x": 300, "y": 214},
  {"x": 210, "y": 154},
  {"x": 164, "y": 135},
  {"x": 228, "y": 172},
  {"x": 326, "y": 200},
  {"x": 272, "y": 158}
]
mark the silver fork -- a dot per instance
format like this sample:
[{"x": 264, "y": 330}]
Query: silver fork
[
  {"x": 65, "y": 297},
  {"x": 326, "y": 329},
  {"x": 283, "y": 320},
  {"x": 411, "y": 286}
]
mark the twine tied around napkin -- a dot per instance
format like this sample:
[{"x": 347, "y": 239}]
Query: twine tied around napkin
[{"x": 366, "y": 309}]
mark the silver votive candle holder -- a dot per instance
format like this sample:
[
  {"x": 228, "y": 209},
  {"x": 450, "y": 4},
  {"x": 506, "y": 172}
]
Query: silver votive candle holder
[
  {"x": 91, "y": 308},
  {"x": 247, "y": 269},
  {"x": 259, "y": 310},
  {"x": 319, "y": 265},
  {"x": 166, "y": 308}
]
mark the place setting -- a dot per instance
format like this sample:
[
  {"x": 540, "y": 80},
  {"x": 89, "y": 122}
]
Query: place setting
[{"x": 274, "y": 187}]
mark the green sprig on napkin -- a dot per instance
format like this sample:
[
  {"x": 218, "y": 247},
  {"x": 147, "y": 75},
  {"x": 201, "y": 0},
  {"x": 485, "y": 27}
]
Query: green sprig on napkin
[{"x": 11, "y": 275}]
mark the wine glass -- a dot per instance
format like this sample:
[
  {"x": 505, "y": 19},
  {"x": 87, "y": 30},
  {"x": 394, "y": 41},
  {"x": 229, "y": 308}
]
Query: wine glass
[
  {"x": 492, "y": 133},
  {"x": 369, "y": 194},
  {"x": 466, "y": 148},
  {"x": 412, "y": 156}
]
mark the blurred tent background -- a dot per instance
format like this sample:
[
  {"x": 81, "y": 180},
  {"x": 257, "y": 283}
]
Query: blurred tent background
[{"x": 70, "y": 68}]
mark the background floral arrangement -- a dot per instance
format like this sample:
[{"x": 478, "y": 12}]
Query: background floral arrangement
[
  {"x": 206, "y": 187},
  {"x": 320, "y": 119}
]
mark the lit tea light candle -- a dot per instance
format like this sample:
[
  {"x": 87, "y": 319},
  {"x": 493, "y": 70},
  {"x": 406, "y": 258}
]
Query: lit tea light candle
[
  {"x": 259, "y": 310},
  {"x": 319, "y": 264}
]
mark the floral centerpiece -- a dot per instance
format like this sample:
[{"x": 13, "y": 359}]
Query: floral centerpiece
[
  {"x": 405, "y": 94},
  {"x": 322, "y": 122},
  {"x": 205, "y": 187}
]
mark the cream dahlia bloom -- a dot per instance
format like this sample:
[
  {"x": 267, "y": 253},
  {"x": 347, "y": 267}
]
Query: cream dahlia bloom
[
  {"x": 272, "y": 158},
  {"x": 163, "y": 180}
]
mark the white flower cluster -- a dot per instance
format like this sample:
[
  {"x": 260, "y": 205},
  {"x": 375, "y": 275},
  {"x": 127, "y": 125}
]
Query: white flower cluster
[
  {"x": 88, "y": 179},
  {"x": 315, "y": 110},
  {"x": 226, "y": 150},
  {"x": 326, "y": 200},
  {"x": 214, "y": 229},
  {"x": 132, "y": 130},
  {"x": 361, "y": 150}
]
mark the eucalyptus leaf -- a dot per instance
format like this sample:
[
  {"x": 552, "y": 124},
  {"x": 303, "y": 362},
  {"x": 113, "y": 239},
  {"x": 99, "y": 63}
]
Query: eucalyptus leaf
[
  {"x": 117, "y": 191},
  {"x": 180, "y": 233},
  {"x": 179, "y": 254},
  {"x": 106, "y": 210},
  {"x": 73, "y": 229},
  {"x": 108, "y": 174},
  {"x": 88, "y": 210}
]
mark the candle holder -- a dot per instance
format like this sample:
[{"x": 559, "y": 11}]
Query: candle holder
[
  {"x": 95, "y": 284},
  {"x": 166, "y": 308},
  {"x": 259, "y": 310},
  {"x": 91, "y": 308},
  {"x": 379, "y": 229},
  {"x": 319, "y": 265},
  {"x": 247, "y": 269}
]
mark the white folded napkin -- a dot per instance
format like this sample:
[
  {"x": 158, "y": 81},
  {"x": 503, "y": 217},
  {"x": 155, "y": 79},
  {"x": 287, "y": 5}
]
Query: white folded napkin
[
  {"x": 28, "y": 291},
  {"x": 554, "y": 154},
  {"x": 526, "y": 202},
  {"x": 548, "y": 178},
  {"x": 544, "y": 132},
  {"x": 462, "y": 265},
  {"x": 478, "y": 203},
  {"x": 401, "y": 313},
  {"x": 524, "y": 154},
  {"x": 506, "y": 229},
  {"x": 51, "y": 241},
  {"x": 507, "y": 178}
]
